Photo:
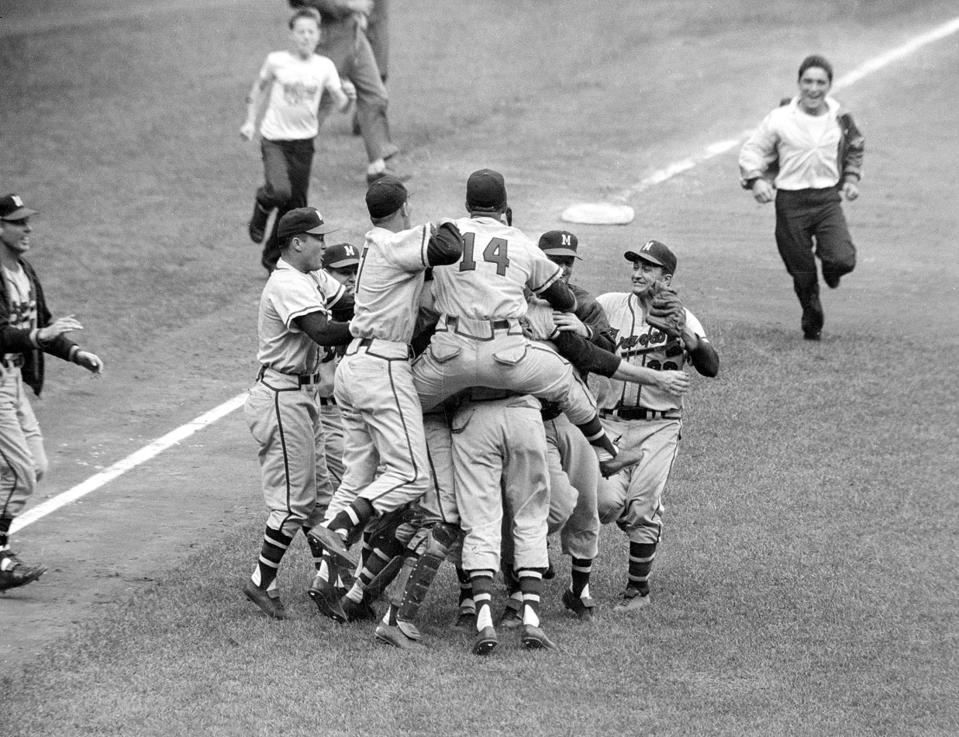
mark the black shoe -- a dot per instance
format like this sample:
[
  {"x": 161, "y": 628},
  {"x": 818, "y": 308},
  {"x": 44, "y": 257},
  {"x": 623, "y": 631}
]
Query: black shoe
[
  {"x": 832, "y": 281},
  {"x": 357, "y": 611},
  {"x": 812, "y": 334},
  {"x": 485, "y": 641},
  {"x": 14, "y": 572},
  {"x": 582, "y": 607},
  {"x": 512, "y": 616},
  {"x": 813, "y": 319},
  {"x": 535, "y": 639},
  {"x": 387, "y": 172},
  {"x": 327, "y": 599},
  {"x": 270, "y": 606},
  {"x": 257, "y": 226}
]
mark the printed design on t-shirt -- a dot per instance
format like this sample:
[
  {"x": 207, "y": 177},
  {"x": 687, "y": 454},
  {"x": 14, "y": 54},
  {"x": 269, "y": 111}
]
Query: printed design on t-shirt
[{"x": 300, "y": 92}]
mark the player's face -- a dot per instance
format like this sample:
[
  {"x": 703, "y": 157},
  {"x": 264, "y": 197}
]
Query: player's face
[
  {"x": 645, "y": 275},
  {"x": 15, "y": 234},
  {"x": 566, "y": 263},
  {"x": 313, "y": 248},
  {"x": 345, "y": 276},
  {"x": 306, "y": 35},
  {"x": 814, "y": 85}
]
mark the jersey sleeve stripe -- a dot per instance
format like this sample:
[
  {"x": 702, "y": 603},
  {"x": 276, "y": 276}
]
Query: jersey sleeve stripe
[{"x": 552, "y": 280}]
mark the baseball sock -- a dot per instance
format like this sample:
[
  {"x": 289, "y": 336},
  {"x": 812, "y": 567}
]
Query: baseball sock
[
  {"x": 5, "y": 523},
  {"x": 374, "y": 561},
  {"x": 316, "y": 549},
  {"x": 531, "y": 586},
  {"x": 641, "y": 557},
  {"x": 466, "y": 591},
  {"x": 275, "y": 545},
  {"x": 356, "y": 515},
  {"x": 481, "y": 584},
  {"x": 580, "y": 570}
]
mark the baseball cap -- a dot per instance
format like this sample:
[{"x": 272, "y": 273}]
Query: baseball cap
[
  {"x": 302, "y": 220},
  {"x": 656, "y": 253},
  {"x": 385, "y": 196},
  {"x": 340, "y": 255},
  {"x": 559, "y": 243},
  {"x": 486, "y": 190},
  {"x": 12, "y": 208}
]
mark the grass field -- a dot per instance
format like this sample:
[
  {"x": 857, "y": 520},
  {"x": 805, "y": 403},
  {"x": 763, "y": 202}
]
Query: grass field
[{"x": 807, "y": 580}]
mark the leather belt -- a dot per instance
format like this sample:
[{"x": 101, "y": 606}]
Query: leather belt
[
  {"x": 452, "y": 321},
  {"x": 301, "y": 379},
  {"x": 641, "y": 413},
  {"x": 15, "y": 362},
  {"x": 478, "y": 329}
]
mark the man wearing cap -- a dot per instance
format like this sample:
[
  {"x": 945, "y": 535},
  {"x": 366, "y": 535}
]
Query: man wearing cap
[
  {"x": 385, "y": 455},
  {"x": 647, "y": 420},
  {"x": 26, "y": 333},
  {"x": 282, "y": 409}
]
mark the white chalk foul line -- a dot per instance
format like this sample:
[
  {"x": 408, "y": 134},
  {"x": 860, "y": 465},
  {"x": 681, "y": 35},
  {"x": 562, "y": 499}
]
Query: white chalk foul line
[
  {"x": 715, "y": 149},
  {"x": 720, "y": 147},
  {"x": 130, "y": 462}
]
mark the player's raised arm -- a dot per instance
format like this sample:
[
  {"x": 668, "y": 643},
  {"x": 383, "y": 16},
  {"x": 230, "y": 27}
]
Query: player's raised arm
[{"x": 445, "y": 245}]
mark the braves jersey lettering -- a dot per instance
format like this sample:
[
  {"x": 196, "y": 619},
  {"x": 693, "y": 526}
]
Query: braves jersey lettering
[{"x": 490, "y": 280}]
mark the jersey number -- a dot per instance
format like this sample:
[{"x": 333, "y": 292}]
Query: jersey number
[{"x": 496, "y": 252}]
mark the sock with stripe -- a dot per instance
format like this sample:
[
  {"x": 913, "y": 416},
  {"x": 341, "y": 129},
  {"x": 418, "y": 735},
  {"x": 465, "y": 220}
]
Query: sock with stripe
[
  {"x": 466, "y": 604},
  {"x": 641, "y": 556},
  {"x": 481, "y": 586},
  {"x": 275, "y": 545},
  {"x": 377, "y": 558},
  {"x": 580, "y": 570},
  {"x": 352, "y": 518},
  {"x": 531, "y": 588}
]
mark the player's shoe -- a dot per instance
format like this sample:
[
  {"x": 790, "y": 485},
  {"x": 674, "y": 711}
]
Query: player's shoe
[
  {"x": 485, "y": 641},
  {"x": 581, "y": 606},
  {"x": 332, "y": 543},
  {"x": 632, "y": 601},
  {"x": 534, "y": 638},
  {"x": 465, "y": 617},
  {"x": 257, "y": 226},
  {"x": 832, "y": 280},
  {"x": 387, "y": 172},
  {"x": 357, "y": 611},
  {"x": 14, "y": 572},
  {"x": 395, "y": 636},
  {"x": 270, "y": 606},
  {"x": 512, "y": 617},
  {"x": 813, "y": 319},
  {"x": 327, "y": 600}
]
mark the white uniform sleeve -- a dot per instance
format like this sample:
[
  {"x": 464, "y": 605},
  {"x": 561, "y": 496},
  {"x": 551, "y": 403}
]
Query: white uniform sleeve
[{"x": 294, "y": 295}]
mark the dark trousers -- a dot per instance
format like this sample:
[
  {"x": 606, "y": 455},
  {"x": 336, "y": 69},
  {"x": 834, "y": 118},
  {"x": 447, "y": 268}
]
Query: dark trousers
[
  {"x": 286, "y": 172},
  {"x": 809, "y": 224}
]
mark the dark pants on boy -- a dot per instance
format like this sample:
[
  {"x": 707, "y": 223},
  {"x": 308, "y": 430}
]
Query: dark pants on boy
[{"x": 286, "y": 171}]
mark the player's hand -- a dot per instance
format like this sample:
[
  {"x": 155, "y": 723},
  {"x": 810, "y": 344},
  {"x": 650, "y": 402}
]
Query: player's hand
[
  {"x": 90, "y": 361},
  {"x": 850, "y": 190},
  {"x": 763, "y": 191},
  {"x": 349, "y": 89},
  {"x": 674, "y": 382},
  {"x": 247, "y": 131},
  {"x": 567, "y": 322},
  {"x": 58, "y": 327}
]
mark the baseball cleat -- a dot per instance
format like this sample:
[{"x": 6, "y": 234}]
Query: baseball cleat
[
  {"x": 465, "y": 617},
  {"x": 357, "y": 611},
  {"x": 581, "y": 606},
  {"x": 535, "y": 639},
  {"x": 257, "y": 226},
  {"x": 485, "y": 641},
  {"x": 632, "y": 601},
  {"x": 511, "y": 618},
  {"x": 832, "y": 281},
  {"x": 271, "y": 607},
  {"x": 14, "y": 572},
  {"x": 390, "y": 634},
  {"x": 333, "y": 544},
  {"x": 327, "y": 600}
]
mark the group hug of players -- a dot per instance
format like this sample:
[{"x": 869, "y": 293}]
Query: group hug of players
[{"x": 444, "y": 392}]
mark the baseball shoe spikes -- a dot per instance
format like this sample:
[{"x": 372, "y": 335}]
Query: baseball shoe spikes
[
  {"x": 327, "y": 600},
  {"x": 485, "y": 641},
  {"x": 270, "y": 606},
  {"x": 391, "y": 634},
  {"x": 534, "y": 638},
  {"x": 581, "y": 606},
  {"x": 333, "y": 544},
  {"x": 14, "y": 572}
]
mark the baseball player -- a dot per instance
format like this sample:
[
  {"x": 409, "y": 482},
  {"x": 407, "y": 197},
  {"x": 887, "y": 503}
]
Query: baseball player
[
  {"x": 282, "y": 409},
  {"x": 385, "y": 453},
  {"x": 289, "y": 87},
  {"x": 646, "y": 419},
  {"x": 479, "y": 339},
  {"x": 27, "y": 332}
]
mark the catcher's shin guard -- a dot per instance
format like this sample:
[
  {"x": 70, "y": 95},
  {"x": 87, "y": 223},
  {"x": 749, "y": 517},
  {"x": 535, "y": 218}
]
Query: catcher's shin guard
[{"x": 442, "y": 537}]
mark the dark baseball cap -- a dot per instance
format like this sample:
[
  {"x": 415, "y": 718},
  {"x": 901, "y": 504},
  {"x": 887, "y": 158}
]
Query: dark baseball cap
[
  {"x": 486, "y": 190},
  {"x": 559, "y": 243},
  {"x": 340, "y": 255},
  {"x": 12, "y": 208},
  {"x": 655, "y": 253},
  {"x": 385, "y": 196},
  {"x": 303, "y": 220}
]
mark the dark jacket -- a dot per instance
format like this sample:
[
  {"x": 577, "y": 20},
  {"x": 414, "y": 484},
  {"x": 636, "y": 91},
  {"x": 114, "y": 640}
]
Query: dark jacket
[{"x": 16, "y": 340}]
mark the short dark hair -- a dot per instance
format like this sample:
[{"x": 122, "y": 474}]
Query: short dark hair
[
  {"x": 815, "y": 60},
  {"x": 311, "y": 13}
]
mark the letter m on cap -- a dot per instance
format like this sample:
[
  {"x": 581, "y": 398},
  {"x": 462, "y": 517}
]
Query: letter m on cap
[
  {"x": 567, "y": 241},
  {"x": 647, "y": 246},
  {"x": 17, "y": 201}
]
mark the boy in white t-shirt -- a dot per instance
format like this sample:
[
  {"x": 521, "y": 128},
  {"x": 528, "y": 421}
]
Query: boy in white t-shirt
[{"x": 287, "y": 93}]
